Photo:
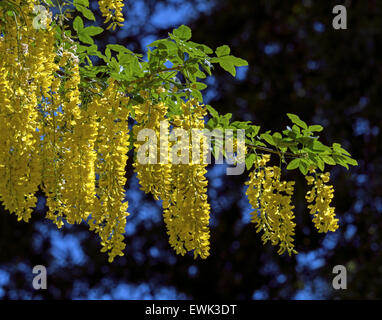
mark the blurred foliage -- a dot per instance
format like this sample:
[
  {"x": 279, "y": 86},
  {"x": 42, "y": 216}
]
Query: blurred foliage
[{"x": 297, "y": 64}]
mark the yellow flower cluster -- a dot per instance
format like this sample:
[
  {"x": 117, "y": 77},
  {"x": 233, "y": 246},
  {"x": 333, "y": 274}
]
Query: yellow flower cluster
[
  {"x": 321, "y": 196},
  {"x": 112, "y": 145},
  {"x": 112, "y": 11},
  {"x": 60, "y": 119},
  {"x": 187, "y": 217},
  {"x": 271, "y": 200},
  {"x": 154, "y": 177},
  {"x": 181, "y": 186},
  {"x": 26, "y": 73},
  {"x": 49, "y": 138}
]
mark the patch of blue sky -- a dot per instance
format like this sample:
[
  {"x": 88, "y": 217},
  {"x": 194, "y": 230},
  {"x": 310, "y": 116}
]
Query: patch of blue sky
[
  {"x": 313, "y": 65},
  {"x": 281, "y": 278},
  {"x": 210, "y": 94},
  {"x": 318, "y": 289},
  {"x": 41, "y": 202},
  {"x": 178, "y": 12},
  {"x": 260, "y": 294},
  {"x": 140, "y": 212},
  {"x": 318, "y": 27},
  {"x": 361, "y": 127},
  {"x": 241, "y": 73},
  {"x": 361, "y": 179},
  {"x": 378, "y": 204},
  {"x": 351, "y": 230},
  {"x": 127, "y": 291},
  {"x": 245, "y": 207},
  {"x": 215, "y": 176},
  {"x": 331, "y": 240},
  {"x": 269, "y": 268},
  {"x": 66, "y": 249},
  {"x": 271, "y": 49},
  {"x": 4, "y": 280},
  {"x": 310, "y": 260},
  {"x": 358, "y": 206},
  {"x": 193, "y": 271}
]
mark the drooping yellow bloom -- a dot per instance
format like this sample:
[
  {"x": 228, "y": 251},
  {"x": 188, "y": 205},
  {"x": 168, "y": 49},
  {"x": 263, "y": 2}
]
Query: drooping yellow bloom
[
  {"x": 108, "y": 218},
  {"x": 271, "y": 200},
  {"x": 320, "y": 198},
  {"x": 27, "y": 65},
  {"x": 187, "y": 216},
  {"x": 154, "y": 176},
  {"x": 112, "y": 11},
  {"x": 63, "y": 148},
  {"x": 182, "y": 187}
]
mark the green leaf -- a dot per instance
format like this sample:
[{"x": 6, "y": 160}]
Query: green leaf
[
  {"x": 268, "y": 138},
  {"x": 85, "y": 38},
  {"x": 294, "y": 164},
  {"x": 351, "y": 161},
  {"x": 337, "y": 147},
  {"x": 199, "y": 85},
  {"x": 254, "y": 130},
  {"x": 296, "y": 130},
  {"x": 108, "y": 53},
  {"x": 183, "y": 33},
  {"x": 316, "y": 128},
  {"x": 249, "y": 161},
  {"x": 212, "y": 112},
  {"x": 228, "y": 63},
  {"x": 229, "y": 67},
  {"x": 296, "y": 120},
  {"x": 196, "y": 94},
  {"x": 329, "y": 160},
  {"x": 211, "y": 124},
  {"x": 320, "y": 164},
  {"x": 319, "y": 147},
  {"x": 92, "y": 31},
  {"x": 84, "y": 3},
  {"x": 88, "y": 14},
  {"x": 303, "y": 167},
  {"x": 223, "y": 51},
  {"x": 341, "y": 161},
  {"x": 78, "y": 24},
  {"x": 241, "y": 125}
]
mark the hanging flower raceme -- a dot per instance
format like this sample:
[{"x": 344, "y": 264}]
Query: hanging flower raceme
[
  {"x": 108, "y": 218},
  {"x": 320, "y": 198},
  {"x": 152, "y": 161},
  {"x": 271, "y": 200},
  {"x": 27, "y": 59},
  {"x": 112, "y": 11},
  {"x": 188, "y": 213}
]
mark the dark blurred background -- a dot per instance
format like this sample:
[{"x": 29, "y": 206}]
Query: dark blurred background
[{"x": 297, "y": 63}]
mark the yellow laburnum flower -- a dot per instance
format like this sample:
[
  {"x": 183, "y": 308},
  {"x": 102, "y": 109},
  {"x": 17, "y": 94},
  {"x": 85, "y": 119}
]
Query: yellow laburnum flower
[
  {"x": 27, "y": 59},
  {"x": 187, "y": 216},
  {"x": 320, "y": 198},
  {"x": 109, "y": 213},
  {"x": 154, "y": 177},
  {"x": 271, "y": 200},
  {"x": 112, "y": 11}
]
